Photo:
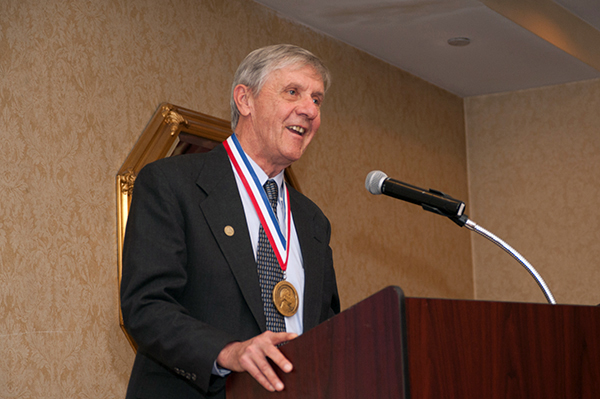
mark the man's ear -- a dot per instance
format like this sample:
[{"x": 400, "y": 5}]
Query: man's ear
[{"x": 242, "y": 95}]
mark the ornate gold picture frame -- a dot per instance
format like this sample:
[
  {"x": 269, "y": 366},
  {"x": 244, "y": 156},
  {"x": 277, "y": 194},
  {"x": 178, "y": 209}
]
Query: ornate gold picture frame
[{"x": 172, "y": 131}]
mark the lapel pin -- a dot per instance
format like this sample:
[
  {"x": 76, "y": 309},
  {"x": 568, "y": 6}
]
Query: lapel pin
[{"x": 229, "y": 231}]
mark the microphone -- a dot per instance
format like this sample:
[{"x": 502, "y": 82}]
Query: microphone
[{"x": 434, "y": 201}]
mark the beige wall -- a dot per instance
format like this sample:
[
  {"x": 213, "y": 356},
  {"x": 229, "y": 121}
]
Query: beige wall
[
  {"x": 78, "y": 82},
  {"x": 80, "y": 79},
  {"x": 534, "y": 167}
]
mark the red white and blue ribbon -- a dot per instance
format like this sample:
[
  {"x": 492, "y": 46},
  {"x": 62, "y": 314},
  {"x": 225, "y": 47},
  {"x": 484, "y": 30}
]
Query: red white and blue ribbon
[{"x": 259, "y": 199}]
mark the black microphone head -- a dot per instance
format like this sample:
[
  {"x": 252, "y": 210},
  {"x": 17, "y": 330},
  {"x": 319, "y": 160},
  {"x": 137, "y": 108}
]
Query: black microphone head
[{"x": 374, "y": 181}]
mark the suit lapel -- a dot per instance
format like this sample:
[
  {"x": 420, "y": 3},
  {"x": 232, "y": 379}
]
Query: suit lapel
[{"x": 222, "y": 207}]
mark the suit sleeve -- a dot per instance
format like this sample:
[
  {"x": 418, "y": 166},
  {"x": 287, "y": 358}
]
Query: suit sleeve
[{"x": 154, "y": 279}]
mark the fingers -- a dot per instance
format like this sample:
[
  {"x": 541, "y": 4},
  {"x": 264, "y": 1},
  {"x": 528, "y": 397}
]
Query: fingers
[
  {"x": 260, "y": 369},
  {"x": 278, "y": 338},
  {"x": 275, "y": 354},
  {"x": 254, "y": 359},
  {"x": 251, "y": 356}
]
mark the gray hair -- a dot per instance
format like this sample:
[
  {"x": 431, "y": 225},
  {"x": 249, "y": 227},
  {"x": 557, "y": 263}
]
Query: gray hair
[{"x": 254, "y": 71}]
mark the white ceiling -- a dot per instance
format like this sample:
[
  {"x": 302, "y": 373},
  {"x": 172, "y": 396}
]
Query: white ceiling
[{"x": 413, "y": 34}]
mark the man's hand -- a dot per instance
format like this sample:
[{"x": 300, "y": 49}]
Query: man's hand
[{"x": 251, "y": 356}]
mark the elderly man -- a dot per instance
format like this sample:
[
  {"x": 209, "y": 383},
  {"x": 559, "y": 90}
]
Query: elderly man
[{"x": 211, "y": 236}]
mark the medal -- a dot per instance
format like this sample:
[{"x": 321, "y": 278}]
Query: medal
[{"x": 285, "y": 298}]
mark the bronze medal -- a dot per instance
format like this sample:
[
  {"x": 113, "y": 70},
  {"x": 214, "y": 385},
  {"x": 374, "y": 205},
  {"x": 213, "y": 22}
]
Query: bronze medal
[{"x": 285, "y": 298}]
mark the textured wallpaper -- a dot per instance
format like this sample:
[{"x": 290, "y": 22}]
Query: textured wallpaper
[
  {"x": 80, "y": 79},
  {"x": 534, "y": 167}
]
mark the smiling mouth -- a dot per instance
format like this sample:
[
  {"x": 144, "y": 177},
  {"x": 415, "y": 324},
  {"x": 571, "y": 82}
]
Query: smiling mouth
[{"x": 297, "y": 129}]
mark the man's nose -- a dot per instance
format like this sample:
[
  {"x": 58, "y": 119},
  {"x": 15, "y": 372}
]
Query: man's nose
[{"x": 309, "y": 108}]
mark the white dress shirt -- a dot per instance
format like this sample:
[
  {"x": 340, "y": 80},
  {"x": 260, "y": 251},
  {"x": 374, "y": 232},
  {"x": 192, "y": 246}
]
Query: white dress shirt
[{"x": 295, "y": 269}]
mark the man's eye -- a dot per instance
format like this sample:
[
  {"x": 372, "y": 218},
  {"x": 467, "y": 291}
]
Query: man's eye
[
  {"x": 292, "y": 92},
  {"x": 316, "y": 101}
]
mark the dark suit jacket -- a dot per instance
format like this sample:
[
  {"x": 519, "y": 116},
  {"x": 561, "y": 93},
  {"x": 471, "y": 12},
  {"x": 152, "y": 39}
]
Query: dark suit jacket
[{"x": 188, "y": 289}]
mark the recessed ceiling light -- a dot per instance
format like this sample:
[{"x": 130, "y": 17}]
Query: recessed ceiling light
[{"x": 459, "y": 41}]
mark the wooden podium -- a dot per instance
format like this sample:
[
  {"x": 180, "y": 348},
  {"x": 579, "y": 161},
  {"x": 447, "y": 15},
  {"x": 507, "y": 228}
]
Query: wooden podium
[{"x": 391, "y": 347}]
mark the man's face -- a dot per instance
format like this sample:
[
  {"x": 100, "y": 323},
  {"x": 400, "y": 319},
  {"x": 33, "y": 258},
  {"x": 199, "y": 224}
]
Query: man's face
[{"x": 286, "y": 114}]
